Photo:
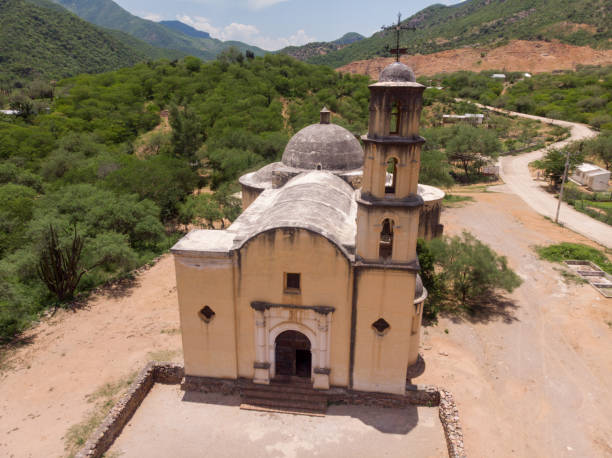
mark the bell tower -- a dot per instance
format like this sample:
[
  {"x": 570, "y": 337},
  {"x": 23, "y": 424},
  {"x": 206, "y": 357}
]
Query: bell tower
[
  {"x": 386, "y": 264},
  {"x": 387, "y": 221}
]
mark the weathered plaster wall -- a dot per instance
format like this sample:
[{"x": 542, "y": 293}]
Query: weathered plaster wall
[
  {"x": 405, "y": 230},
  {"x": 381, "y": 361},
  {"x": 429, "y": 220},
  {"x": 325, "y": 280},
  {"x": 209, "y": 348},
  {"x": 248, "y": 196}
]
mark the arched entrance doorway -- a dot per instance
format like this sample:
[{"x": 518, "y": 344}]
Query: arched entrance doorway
[{"x": 292, "y": 355}]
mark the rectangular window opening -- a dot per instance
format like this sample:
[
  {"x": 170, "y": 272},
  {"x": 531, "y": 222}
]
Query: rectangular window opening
[{"x": 292, "y": 283}]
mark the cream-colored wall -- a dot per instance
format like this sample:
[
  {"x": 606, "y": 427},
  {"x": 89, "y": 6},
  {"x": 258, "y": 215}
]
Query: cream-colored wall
[
  {"x": 209, "y": 349},
  {"x": 376, "y": 159},
  {"x": 248, "y": 196},
  {"x": 405, "y": 231},
  {"x": 381, "y": 361},
  {"x": 325, "y": 280},
  {"x": 415, "y": 337}
]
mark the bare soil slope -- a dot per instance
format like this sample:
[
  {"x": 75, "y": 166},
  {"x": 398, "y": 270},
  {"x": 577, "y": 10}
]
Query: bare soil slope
[
  {"x": 518, "y": 55},
  {"x": 530, "y": 375},
  {"x": 45, "y": 386}
]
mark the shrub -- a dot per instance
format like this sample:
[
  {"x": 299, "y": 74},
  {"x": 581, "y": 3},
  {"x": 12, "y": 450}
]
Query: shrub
[
  {"x": 469, "y": 269},
  {"x": 568, "y": 251}
]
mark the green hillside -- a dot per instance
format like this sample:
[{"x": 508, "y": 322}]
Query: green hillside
[
  {"x": 101, "y": 162},
  {"x": 50, "y": 43},
  {"x": 490, "y": 23},
  {"x": 107, "y": 13},
  {"x": 349, "y": 38},
  {"x": 310, "y": 50}
]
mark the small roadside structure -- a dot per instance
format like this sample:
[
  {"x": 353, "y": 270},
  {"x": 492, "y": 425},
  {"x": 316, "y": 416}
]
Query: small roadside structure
[
  {"x": 592, "y": 176},
  {"x": 470, "y": 118},
  {"x": 591, "y": 272}
]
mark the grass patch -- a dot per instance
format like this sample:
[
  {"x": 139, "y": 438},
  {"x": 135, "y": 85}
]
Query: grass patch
[
  {"x": 454, "y": 200},
  {"x": 566, "y": 251},
  {"x": 163, "y": 355},
  {"x": 104, "y": 398},
  {"x": 570, "y": 277}
]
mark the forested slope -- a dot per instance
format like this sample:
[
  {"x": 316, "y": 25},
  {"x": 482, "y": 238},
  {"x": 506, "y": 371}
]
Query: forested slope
[
  {"x": 488, "y": 23},
  {"x": 77, "y": 168},
  {"x": 36, "y": 41}
]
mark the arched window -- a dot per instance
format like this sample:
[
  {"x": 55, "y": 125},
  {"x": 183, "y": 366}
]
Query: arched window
[
  {"x": 394, "y": 121},
  {"x": 391, "y": 176},
  {"x": 385, "y": 249}
]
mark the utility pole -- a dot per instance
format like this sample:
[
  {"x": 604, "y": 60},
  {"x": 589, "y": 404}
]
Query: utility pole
[{"x": 567, "y": 157}]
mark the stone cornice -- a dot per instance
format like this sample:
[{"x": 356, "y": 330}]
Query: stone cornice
[{"x": 261, "y": 306}]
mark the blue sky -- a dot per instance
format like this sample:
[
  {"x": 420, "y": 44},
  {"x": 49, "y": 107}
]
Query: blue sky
[{"x": 274, "y": 24}]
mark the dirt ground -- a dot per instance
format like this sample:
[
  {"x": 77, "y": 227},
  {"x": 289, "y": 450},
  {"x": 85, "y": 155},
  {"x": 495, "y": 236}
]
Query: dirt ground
[
  {"x": 46, "y": 385},
  {"x": 518, "y": 55},
  {"x": 185, "y": 425},
  {"x": 529, "y": 376}
]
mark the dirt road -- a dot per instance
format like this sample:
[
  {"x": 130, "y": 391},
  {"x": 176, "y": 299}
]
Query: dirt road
[
  {"x": 514, "y": 171},
  {"x": 530, "y": 376}
]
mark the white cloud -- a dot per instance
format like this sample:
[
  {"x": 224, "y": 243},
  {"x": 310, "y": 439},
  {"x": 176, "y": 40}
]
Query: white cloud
[
  {"x": 200, "y": 23},
  {"x": 152, "y": 17},
  {"x": 246, "y": 33},
  {"x": 259, "y": 4}
]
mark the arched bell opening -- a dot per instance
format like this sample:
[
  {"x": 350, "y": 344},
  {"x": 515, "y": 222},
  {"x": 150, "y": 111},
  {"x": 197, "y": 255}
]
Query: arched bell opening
[
  {"x": 385, "y": 249},
  {"x": 394, "y": 119},
  {"x": 293, "y": 356},
  {"x": 391, "y": 176}
]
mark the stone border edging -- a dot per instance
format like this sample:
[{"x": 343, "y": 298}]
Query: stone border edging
[
  {"x": 110, "y": 428},
  {"x": 174, "y": 374},
  {"x": 449, "y": 417}
]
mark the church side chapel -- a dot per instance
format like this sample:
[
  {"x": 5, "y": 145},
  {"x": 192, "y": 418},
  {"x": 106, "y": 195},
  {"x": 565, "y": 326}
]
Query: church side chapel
[{"x": 316, "y": 283}]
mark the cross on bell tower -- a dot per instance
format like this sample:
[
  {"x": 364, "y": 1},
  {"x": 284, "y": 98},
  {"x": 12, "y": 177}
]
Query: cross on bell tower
[{"x": 398, "y": 30}]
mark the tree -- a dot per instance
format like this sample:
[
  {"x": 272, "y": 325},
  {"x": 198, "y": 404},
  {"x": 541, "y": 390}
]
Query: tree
[
  {"x": 60, "y": 267},
  {"x": 432, "y": 281},
  {"x": 553, "y": 164},
  {"x": 469, "y": 145},
  {"x": 22, "y": 104},
  {"x": 16, "y": 208},
  {"x": 601, "y": 148},
  {"x": 187, "y": 134},
  {"x": 470, "y": 269}
]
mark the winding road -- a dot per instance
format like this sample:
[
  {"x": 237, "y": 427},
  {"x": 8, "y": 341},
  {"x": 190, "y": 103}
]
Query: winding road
[{"x": 514, "y": 171}]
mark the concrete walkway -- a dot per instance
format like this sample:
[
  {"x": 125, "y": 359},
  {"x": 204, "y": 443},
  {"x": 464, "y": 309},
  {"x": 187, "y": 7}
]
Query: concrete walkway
[{"x": 515, "y": 173}]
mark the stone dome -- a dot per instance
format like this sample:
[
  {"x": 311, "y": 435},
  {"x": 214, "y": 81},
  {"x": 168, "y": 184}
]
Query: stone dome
[
  {"x": 420, "y": 293},
  {"x": 397, "y": 73},
  {"x": 323, "y": 146}
]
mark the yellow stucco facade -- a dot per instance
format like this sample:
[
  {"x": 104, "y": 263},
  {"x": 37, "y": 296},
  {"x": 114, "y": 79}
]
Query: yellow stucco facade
[{"x": 316, "y": 279}]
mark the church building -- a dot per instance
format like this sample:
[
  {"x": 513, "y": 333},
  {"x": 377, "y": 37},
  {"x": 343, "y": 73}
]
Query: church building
[{"x": 317, "y": 280}]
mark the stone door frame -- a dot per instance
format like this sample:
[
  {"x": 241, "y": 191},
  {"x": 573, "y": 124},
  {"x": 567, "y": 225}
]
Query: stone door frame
[{"x": 312, "y": 321}]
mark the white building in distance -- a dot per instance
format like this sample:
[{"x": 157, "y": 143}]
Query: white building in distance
[{"x": 593, "y": 176}]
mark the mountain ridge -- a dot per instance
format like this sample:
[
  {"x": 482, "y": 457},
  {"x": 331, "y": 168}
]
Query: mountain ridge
[
  {"x": 479, "y": 23},
  {"x": 108, "y": 14},
  {"x": 316, "y": 48},
  {"x": 185, "y": 29},
  {"x": 32, "y": 32}
]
